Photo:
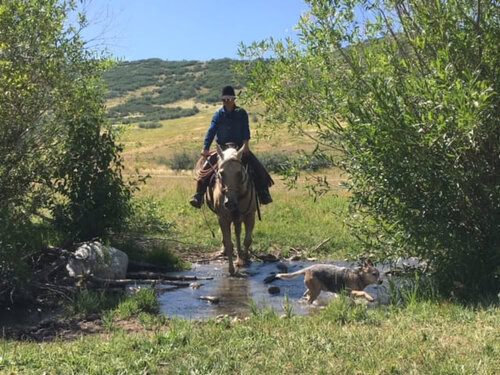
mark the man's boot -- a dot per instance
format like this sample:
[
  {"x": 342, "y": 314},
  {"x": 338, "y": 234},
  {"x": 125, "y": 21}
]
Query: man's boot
[
  {"x": 264, "y": 196},
  {"x": 197, "y": 199}
]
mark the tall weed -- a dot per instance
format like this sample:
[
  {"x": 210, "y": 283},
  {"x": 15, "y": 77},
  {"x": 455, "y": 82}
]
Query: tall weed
[
  {"x": 412, "y": 289},
  {"x": 343, "y": 310},
  {"x": 143, "y": 301},
  {"x": 88, "y": 302}
]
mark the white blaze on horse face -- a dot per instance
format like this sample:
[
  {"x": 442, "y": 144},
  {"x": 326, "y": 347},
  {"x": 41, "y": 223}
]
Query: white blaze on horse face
[{"x": 230, "y": 175}]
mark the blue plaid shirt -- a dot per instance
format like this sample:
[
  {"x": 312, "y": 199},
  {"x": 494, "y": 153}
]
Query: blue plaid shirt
[{"x": 228, "y": 127}]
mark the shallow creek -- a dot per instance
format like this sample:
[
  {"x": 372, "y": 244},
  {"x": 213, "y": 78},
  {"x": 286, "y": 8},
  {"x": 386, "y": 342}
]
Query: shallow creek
[{"x": 234, "y": 294}]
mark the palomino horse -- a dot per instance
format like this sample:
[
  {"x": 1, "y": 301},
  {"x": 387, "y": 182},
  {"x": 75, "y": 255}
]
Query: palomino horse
[{"x": 233, "y": 199}]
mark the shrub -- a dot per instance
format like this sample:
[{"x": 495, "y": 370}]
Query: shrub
[
  {"x": 150, "y": 125},
  {"x": 61, "y": 166},
  {"x": 183, "y": 160},
  {"x": 409, "y": 95},
  {"x": 278, "y": 162},
  {"x": 146, "y": 218},
  {"x": 274, "y": 161}
]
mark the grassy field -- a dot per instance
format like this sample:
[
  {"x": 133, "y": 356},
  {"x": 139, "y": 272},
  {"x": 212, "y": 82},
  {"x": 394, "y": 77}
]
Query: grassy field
[
  {"x": 421, "y": 338},
  {"x": 418, "y": 336}
]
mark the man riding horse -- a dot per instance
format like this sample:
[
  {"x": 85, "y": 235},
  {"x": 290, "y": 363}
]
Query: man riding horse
[{"x": 230, "y": 125}]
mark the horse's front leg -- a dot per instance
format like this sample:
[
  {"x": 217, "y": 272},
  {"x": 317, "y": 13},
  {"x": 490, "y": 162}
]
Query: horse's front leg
[
  {"x": 249, "y": 225},
  {"x": 225, "y": 226},
  {"x": 240, "y": 260}
]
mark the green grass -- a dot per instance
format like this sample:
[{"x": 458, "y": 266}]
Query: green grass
[
  {"x": 294, "y": 222},
  {"x": 143, "y": 301},
  {"x": 428, "y": 338},
  {"x": 88, "y": 302}
]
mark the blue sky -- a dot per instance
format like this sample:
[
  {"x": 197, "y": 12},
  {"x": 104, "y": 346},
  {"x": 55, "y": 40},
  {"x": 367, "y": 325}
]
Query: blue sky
[{"x": 188, "y": 29}]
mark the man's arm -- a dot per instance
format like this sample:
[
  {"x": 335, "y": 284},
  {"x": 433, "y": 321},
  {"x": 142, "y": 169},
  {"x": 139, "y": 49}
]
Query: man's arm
[
  {"x": 209, "y": 137},
  {"x": 246, "y": 133}
]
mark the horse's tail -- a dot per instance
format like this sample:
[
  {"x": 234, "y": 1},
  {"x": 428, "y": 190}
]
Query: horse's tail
[{"x": 291, "y": 275}]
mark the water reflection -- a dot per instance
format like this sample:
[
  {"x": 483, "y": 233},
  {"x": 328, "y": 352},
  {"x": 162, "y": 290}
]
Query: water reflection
[{"x": 233, "y": 294}]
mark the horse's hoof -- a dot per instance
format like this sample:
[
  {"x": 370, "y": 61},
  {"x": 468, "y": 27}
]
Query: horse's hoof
[
  {"x": 239, "y": 275},
  {"x": 241, "y": 262},
  {"x": 223, "y": 253}
]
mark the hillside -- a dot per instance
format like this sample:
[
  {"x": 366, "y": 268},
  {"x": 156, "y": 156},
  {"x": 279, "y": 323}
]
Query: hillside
[
  {"x": 167, "y": 107},
  {"x": 148, "y": 91}
]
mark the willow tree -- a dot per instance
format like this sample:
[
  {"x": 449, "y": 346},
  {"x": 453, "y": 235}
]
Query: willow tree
[
  {"x": 60, "y": 171},
  {"x": 408, "y": 92}
]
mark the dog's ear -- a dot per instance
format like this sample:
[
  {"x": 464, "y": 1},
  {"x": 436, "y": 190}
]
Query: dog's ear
[{"x": 367, "y": 263}]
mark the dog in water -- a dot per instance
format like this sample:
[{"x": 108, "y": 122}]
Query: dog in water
[{"x": 334, "y": 279}]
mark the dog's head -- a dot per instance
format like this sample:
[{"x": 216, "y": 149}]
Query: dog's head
[{"x": 369, "y": 273}]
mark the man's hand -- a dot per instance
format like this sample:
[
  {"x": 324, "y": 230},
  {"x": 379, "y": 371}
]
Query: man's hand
[{"x": 205, "y": 153}]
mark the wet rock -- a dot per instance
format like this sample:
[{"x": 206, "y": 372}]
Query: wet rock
[
  {"x": 222, "y": 318},
  {"x": 294, "y": 258},
  {"x": 269, "y": 258},
  {"x": 270, "y": 278},
  {"x": 282, "y": 267},
  {"x": 96, "y": 259},
  {"x": 380, "y": 292},
  {"x": 274, "y": 289},
  {"x": 195, "y": 286},
  {"x": 211, "y": 299}
]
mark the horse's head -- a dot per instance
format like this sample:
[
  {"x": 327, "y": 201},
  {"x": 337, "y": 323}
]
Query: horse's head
[{"x": 230, "y": 174}]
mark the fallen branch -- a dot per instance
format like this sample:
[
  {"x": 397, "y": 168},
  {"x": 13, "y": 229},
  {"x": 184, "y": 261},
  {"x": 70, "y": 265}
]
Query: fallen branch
[
  {"x": 125, "y": 282},
  {"x": 138, "y": 265},
  {"x": 320, "y": 244},
  {"x": 60, "y": 290},
  {"x": 163, "y": 276},
  {"x": 166, "y": 290}
]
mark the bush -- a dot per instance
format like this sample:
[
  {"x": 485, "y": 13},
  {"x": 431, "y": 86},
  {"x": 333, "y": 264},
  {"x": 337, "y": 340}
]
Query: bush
[
  {"x": 150, "y": 125},
  {"x": 61, "y": 166},
  {"x": 146, "y": 218},
  {"x": 410, "y": 95},
  {"x": 274, "y": 161},
  {"x": 279, "y": 162},
  {"x": 182, "y": 160}
]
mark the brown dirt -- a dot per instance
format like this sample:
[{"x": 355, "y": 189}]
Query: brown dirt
[{"x": 54, "y": 328}]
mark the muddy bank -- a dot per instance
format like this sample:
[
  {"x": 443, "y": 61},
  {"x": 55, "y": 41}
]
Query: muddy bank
[{"x": 36, "y": 326}]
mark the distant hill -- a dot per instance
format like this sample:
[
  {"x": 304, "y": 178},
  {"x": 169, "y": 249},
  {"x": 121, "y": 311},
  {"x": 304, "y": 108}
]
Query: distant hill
[{"x": 145, "y": 90}]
